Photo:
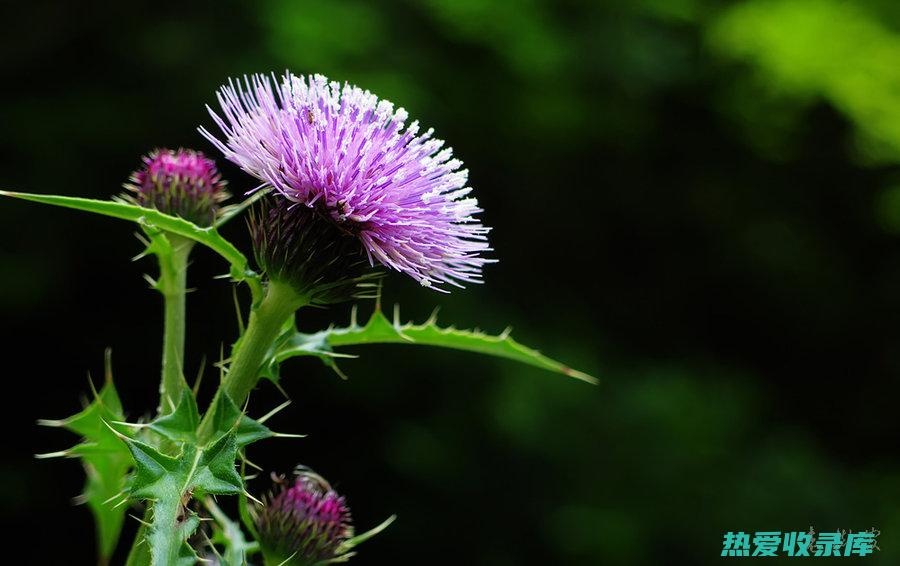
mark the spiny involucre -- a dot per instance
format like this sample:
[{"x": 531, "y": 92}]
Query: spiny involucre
[{"x": 345, "y": 154}]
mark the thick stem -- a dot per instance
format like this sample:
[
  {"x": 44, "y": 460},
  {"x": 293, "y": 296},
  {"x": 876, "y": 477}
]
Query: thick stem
[
  {"x": 163, "y": 535},
  {"x": 280, "y": 302},
  {"x": 172, "y": 285}
]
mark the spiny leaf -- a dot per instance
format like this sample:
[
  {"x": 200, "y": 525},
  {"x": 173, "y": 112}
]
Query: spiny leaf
[
  {"x": 105, "y": 459},
  {"x": 148, "y": 217},
  {"x": 208, "y": 468},
  {"x": 215, "y": 471},
  {"x": 167, "y": 481},
  {"x": 106, "y": 479},
  {"x": 153, "y": 470},
  {"x": 181, "y": 424},
  {"x": 89, "y": 421},
  {"x": 170, "y": 481},
  {"x": 227, "y": 418},
  {"x": 380, "y": 330}
]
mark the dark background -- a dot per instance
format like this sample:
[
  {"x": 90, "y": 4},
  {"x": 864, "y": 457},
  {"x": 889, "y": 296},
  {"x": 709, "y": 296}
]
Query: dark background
[{"x": 698, "y": 201}]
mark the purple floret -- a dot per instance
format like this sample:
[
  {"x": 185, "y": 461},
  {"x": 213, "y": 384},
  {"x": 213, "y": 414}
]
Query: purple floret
[
  {"x": 306, "y": 522},
  {"x": 183, "y": 183},
  {"x": 347, "y": 154}
]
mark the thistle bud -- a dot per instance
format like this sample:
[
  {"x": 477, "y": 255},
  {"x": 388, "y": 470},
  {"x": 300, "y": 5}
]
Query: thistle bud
[
  {"x": 297, "y": 244},
  {"x": 302, "y": 524},
  {"x": 182, "y": 183}
]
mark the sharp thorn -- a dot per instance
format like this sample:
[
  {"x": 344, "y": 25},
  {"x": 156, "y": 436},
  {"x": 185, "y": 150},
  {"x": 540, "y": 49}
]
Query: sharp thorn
[
  {"x": 253, "y": 499},
  {"x": 139, "y": 520},
  {"x": 47, "y": 455},
  {"x": 288, "y": 435},
  {"x": 273, "y": 412}
]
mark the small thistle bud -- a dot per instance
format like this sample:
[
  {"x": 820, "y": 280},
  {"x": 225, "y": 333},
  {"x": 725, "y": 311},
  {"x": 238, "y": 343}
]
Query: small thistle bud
[
  {"x": 303, "y": 524},
  {"x": 295, "y": 243},
  {"x": 182, "y": 183}
]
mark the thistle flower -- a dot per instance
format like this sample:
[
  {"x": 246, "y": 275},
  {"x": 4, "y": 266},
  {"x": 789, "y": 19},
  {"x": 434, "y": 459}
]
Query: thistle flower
[
  {"x": 182, "y": 183},
  {"x": 303, "y": 524},
  {"x": 350, "y": 157}
]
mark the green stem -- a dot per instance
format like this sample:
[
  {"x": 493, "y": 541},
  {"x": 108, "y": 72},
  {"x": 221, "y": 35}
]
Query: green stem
[
  {"x": 164, "y": 536},
  {"x": 173, "y": 286},
  {"x": 280, "y": 303}
]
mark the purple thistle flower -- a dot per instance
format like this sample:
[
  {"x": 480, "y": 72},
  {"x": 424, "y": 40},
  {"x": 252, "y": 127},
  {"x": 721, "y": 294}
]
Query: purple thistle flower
[
  {"x": 303, "y": 524},
  {"x": 182, "y": 183},
  {"x": 348, "y": 155}
]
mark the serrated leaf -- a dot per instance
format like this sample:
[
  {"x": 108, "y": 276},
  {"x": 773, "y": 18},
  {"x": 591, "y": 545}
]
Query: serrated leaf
[
  {"x": 228, "y": 418},
  {"x": 105, "y": 459},
  {"x": 88, "y": 423},
  {"x": 148, "y": 217},
  {"x": 105, "y": 479},
  {"x": 380, "y": 330},
  {"x": 209, "y": 468},
  {"x": 168, "y": 481},
  {"x": 181, "y": 424},
  {"x": 215, "y": 472}
]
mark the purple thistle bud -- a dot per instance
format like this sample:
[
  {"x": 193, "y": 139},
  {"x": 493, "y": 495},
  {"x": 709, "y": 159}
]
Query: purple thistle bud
[
  {"x": 182, "y": 183},
  {"x": 299, "y": 245},
  {"x": 350, "y": 156},
  {"x": 303, "y": 524}
]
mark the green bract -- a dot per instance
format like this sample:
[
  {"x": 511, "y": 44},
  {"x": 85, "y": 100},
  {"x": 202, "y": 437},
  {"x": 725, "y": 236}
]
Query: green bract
[{"x": 177, "y": 462}]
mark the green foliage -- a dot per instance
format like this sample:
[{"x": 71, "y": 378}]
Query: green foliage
[
  {"x": 190, "y": 468},
  {"x": 839, "y": 51},
  {"x": 181, "y": 424},
  {"x": 179, "y": 457},
  {"x": 106, "y": 460},
  {"x": 153, "y": 220},
  {"x": 227, "y": 418},
  {"x": 380, "y": 330},
  {"x": 157, "y": 476}
]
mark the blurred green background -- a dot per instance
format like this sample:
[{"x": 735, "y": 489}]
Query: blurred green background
[{"x": 696, "y": 200}]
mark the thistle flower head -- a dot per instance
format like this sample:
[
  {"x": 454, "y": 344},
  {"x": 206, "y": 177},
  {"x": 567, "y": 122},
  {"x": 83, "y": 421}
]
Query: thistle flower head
[
  {"x": 182, "y": 183},
  {"x": 304, "y": 523},
  {"x": 349, "y": 156}
]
